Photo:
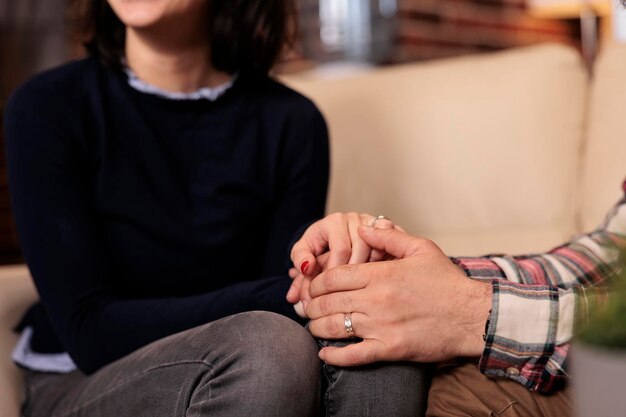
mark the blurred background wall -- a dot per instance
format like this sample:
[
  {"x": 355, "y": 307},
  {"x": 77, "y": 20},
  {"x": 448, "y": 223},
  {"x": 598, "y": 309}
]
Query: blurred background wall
[
  {"x": 34, "y": 36},
  {"x": 410, "y": 30}
]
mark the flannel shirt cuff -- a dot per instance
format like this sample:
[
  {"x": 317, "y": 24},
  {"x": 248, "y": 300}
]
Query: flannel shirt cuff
[{"x": 521, "y": 340}]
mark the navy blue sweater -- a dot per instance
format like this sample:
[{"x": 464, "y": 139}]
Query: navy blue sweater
[{"x": 141, "y": 216}]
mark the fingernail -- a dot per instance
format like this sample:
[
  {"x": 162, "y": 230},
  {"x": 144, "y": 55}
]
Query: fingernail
[
  {"x": 321, "y": 354},
  {"x": 304, "y": 266},
  {"x": 304, "y": 304},
  {"x": 367, "y": 227}
]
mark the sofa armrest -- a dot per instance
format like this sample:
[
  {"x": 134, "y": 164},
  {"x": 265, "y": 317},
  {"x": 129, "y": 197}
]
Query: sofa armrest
[{"x": 17, "y": 293}]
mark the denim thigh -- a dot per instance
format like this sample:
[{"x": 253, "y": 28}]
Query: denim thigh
[
  {"x": 380, "y": 389},
  {"x": 249, "y": 364}
]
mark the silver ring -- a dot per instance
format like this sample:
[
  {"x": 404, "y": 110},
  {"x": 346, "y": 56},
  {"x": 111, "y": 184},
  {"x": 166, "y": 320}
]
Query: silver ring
[
  {"x": 347, "y": 323},
  {"x": 381, "y": 217}
]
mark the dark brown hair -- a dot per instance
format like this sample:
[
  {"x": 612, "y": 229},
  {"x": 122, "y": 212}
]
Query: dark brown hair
[{"x": 245, "y": 35}]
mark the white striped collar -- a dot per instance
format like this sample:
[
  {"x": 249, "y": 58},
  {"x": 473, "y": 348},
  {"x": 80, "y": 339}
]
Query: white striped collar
[{"x": 205, "y": 93}]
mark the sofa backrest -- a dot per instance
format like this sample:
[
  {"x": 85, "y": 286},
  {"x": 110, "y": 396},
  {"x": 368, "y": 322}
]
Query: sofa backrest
[
  {"x": 478, "y": 153},
  {"x": 604, "y": 162}
]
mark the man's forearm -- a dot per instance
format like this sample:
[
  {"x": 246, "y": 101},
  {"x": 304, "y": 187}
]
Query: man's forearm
[{"x": 538, "y": 299}]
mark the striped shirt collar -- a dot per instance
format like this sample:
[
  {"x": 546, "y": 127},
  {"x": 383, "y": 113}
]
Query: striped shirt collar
[{"x": 204, "y": 93}]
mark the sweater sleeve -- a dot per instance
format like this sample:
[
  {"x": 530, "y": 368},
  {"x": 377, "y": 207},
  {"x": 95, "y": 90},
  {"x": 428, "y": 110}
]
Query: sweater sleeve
[
  {"x": 302, "y": 188},
  {"x": 62, "y": 244},
  {"x": 539, "y": 300}
]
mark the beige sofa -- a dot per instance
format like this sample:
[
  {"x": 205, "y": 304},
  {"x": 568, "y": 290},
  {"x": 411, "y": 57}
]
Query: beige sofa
[
  {"x": 509, "y": 152},
  {"x": 16, "y": 294}
]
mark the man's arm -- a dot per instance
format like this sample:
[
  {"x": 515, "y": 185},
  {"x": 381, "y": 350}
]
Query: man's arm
[
  {"x": 538, "y": 300},
  {"x": 416, "y": 308}
]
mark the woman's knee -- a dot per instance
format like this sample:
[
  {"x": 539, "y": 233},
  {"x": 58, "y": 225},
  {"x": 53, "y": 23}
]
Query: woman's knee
[
  {"x": 273, "y": 343},
  {"x": 268, "y": 339},
  {"x": 255, "y": 363},
  {"x": 269, "y": 359}
]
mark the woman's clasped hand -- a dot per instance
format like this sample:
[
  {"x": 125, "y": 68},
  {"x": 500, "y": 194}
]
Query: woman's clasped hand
[{"x": 400, "y": 294}]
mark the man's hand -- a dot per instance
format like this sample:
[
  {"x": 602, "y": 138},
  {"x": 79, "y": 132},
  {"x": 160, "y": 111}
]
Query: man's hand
[{"x": 419, "y": 307}]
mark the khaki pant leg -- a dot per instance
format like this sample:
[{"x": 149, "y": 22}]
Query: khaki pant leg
[{"x": 460, "y": 390}]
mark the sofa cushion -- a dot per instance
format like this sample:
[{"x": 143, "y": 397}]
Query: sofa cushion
[
  {"x": 604, "y": 162},
  {"x": 479, "y": 153},
  {"x": 17, "y": 293}
]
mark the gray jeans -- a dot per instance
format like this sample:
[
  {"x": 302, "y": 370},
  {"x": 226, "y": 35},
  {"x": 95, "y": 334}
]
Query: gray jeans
[
  {"x": 249, "y": 364},
  {"x": 381, "y": 389}
]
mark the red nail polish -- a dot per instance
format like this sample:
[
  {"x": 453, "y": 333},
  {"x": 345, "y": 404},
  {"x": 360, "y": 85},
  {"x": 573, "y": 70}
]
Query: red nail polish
[{"x": 304, "y": 266}]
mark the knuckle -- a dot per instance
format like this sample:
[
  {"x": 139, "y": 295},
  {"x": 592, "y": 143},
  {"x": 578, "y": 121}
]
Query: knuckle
[
  {"x": 343, "y": 251},
  {"x": 322, "y": 261},
  {"x": 384, "y": 297},
  {"x": 425, "y": 243},
  {"x": 334, "y": 328},
  {"x": 418, "y": 244},
  {"x": 326, "y": 305},
  {"x": 384, "y": 224},
  {"x": 398, "y": 349},
  {"x": 313, "y": 311},
  {"x": 335, "y": 303},
  {"x": 314, "y": 327},
  {"x": 370, "y": 356},
  {"x": 377, "y": 255},
  {"x": 354, "y": 357},
  {"x": 336, "y": 216},
  {"x": 362, "y": 356},
  {"x": 346, "y": 302},
  {"x": 330, "y": 280},
  {"x": 399, "y": 228},
  {"x": 354, "y": 216},
  {"x": 429, "y": 245},
  {"x": 344, "y": 273},
  {"x": 386, "y": 231}
]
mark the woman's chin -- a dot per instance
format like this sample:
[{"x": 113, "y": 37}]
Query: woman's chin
[
  {"x": 140, "y": 20},
  {"x": 148, "y": 13},
  {"x": 138, "y": 14}
]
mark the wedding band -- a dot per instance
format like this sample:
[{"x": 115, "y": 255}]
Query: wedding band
[
  {"x": 381, "y": 217},
  {"x": 347, "y": 322}
]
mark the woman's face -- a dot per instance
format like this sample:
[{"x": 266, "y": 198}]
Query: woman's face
[{"x": 140, "y": 14}]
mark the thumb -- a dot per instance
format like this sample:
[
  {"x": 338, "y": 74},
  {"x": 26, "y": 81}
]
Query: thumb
[
  {"x": 303, "y": 257},
  {"x": 355, "y": 354},
  {"x": 311, "y": 244},
  {"x": 394, "y": 242}
]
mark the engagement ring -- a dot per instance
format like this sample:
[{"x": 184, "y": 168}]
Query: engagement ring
[{"x": 381, "y": 217}]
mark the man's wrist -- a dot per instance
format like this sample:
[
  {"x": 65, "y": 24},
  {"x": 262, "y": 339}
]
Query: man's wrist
[{"x": 477, "y": 312}]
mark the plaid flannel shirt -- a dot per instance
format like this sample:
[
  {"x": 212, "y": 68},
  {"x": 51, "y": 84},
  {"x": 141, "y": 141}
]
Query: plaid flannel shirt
[{"x": 538, "y": 300}]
